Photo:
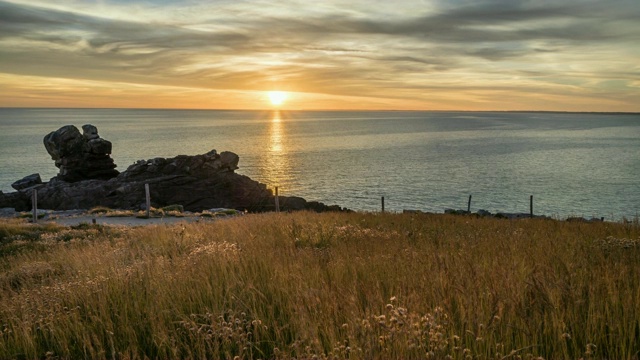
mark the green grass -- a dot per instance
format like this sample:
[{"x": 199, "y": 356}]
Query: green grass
[
  {"x": 171, "y": 210},
  {"x": 29, "y": 215},
  {"x": 100, "y": 210},
  {"x": 305, "y": 285}
]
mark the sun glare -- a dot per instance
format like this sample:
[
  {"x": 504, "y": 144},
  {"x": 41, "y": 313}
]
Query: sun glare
[{"x": 277, "y": 98}]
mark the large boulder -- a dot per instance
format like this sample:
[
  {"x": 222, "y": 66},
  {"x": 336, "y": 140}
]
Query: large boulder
[
  {"x": 27, "y": 182},
  {"x": 80, "y": 156}
]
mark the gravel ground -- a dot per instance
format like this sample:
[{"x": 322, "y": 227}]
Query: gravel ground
[
  {"x": 76, "y": 217},
  {"x": 126, "y": 220}
]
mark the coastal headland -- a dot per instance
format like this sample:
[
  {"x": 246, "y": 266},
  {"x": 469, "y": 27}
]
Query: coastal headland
[{"x": 87, "y": 178}]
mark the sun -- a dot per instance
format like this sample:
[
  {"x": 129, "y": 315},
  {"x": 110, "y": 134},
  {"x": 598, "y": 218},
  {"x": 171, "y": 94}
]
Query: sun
[{"x": 277, "y": 98}]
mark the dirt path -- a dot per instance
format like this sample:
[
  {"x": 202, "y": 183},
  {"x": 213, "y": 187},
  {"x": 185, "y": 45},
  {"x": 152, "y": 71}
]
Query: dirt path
[
  {"x": 77, "y": 217},
  {"x": 125, "y": 220}
]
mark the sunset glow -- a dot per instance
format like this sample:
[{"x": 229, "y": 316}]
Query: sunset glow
[
  {"x": 277, "y": 98},
  {"x": 336, "y": 54}
]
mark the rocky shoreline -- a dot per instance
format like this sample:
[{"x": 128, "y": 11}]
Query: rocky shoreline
[
  {"x": 505, "y": 215},
  {"x": 88, "y": 178}
]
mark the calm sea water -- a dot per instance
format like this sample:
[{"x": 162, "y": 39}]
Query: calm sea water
[{"x": 573, "y": 164}]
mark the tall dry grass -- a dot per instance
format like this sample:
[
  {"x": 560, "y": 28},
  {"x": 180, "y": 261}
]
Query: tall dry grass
[{"x": 306, "y": 285}]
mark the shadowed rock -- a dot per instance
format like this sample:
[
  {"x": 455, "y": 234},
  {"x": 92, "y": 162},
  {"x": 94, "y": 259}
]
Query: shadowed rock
[
  {"x": 80, "y": 156},
  {"x": 196, "y": 182},
  {"x": 27, "y": 182}
]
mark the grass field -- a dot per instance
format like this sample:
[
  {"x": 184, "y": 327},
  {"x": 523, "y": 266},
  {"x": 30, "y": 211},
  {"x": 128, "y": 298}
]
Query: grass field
[{"x": 307, "y": 285}]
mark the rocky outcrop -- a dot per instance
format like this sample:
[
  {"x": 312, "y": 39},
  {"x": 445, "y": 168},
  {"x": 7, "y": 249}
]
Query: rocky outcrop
[
  {"x": 197, "y": 182},
  {"x": 16, "y": 200},
  {"x": 500, "y": 215},
  {"x": 27, "y": 182},
  {"x": 80, "y": 156}
]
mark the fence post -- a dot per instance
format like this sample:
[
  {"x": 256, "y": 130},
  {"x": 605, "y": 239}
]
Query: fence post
[
  {"x": 277, "y": 200},
  {"x": 148, "y": 198},
  {"x": 34, "y": 205},
  {"x": 531, "y": 206},
  {"x": 382, "y": 199},
  {"x": 469, "y": 205}
]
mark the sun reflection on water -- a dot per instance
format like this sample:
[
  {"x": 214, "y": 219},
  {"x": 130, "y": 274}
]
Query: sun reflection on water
[
  {"x": 276, "y": 169},
  {"x": 275, "y": 134}
]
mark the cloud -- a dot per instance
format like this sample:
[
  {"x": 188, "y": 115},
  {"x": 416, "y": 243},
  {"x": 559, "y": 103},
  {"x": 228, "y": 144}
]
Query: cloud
[{"x": 336, "y": 47}]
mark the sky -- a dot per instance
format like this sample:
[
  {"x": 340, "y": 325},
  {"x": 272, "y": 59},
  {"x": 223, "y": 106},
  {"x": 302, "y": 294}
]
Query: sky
[{"x": 560, "y": 55}]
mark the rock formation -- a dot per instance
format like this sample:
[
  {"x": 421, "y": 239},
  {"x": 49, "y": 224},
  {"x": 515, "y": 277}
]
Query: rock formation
[
  {"x": 27, "y": 182},
  {"x": 80, "y": 156},
  {"x": 196, "y": 182}
]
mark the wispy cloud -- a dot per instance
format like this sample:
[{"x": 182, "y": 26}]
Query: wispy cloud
[{"x": 408, "y": 54}]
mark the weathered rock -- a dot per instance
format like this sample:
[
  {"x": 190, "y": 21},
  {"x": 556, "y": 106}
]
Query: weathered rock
[
  {"x": 88, "y": 178},
  {"x": 80, "y": 156},
  {"x": 585, "y": 220},
  {"x": 199, "y": 166},
  {"x": 63, "y": 142},
  {"x": 7, "y": 212},
  {"x": 97, "y": 147},
  {"x": 483, "y": 212},
  {"x": 27, "y": 182},
  {"x": 455, "y": 212},
  {"x": 90, "y": 132},
  {"x": 196, "y": 182},
  {"x": 18, "y": 200}
]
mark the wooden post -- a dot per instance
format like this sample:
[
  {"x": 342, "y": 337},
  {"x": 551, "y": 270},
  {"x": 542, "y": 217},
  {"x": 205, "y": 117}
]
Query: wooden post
[
  {"x": 148, "y": 198},
  {"x": 34, "y": 205},
  {"x": 277, "y": 199},
  {"x": 382, "y": 199},
  {"x": 531, "y": 206},
  {"x": 469, "y": 205}
]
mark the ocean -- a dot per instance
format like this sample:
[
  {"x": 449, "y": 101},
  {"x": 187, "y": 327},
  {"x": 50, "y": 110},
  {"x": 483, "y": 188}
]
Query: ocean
[{"x": 573, "y": 164}]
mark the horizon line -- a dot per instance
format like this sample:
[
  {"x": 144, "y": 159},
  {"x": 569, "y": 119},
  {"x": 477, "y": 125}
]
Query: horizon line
[{"x": 327, "y": 110}]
